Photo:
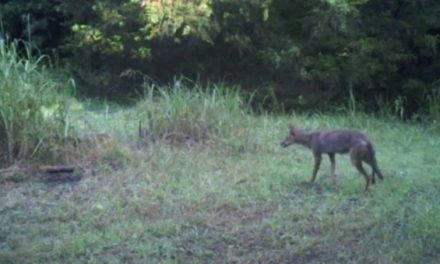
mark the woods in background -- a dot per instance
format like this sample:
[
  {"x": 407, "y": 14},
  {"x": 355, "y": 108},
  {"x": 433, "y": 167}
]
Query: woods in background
[{"x": 290, "y": 53}]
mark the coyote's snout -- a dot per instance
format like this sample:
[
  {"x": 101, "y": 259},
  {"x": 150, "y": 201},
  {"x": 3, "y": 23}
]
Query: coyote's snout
[{"x": 338, "y": 141}]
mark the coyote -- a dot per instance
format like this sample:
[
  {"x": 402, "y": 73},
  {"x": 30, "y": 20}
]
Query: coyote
[{"x": 337, "y": 141}]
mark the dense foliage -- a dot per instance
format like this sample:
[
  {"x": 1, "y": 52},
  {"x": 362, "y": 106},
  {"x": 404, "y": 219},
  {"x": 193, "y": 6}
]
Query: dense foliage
[{"x": 296, "y": 53}]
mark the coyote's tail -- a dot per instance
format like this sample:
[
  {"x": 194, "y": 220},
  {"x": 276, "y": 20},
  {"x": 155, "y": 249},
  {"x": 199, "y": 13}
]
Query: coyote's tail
[{"x": 373, "y": 160}]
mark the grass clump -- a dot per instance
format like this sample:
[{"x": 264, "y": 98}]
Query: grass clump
[{"x": 33, "y": 112}]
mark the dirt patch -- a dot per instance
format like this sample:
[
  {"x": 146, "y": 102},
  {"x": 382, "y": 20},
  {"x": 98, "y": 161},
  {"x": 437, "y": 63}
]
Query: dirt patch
[{"x": 229, "y": 216}]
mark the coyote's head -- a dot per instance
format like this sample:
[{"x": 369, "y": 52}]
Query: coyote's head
[{"x": 291, "y": 138}]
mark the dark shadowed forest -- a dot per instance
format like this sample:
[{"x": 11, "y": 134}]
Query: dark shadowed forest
[{"x": 289, "y": 54}]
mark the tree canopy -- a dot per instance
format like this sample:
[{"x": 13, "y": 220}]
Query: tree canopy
[{"x": 299, "y": 53}]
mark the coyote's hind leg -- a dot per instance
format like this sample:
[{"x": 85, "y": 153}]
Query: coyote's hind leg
[{"x": 355, "y": 156}]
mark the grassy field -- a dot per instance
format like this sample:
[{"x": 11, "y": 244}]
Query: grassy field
[{"x": 208, "y": 183}]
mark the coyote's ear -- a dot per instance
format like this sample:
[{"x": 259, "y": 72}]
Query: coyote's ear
[{"x": 292, "y": 129}]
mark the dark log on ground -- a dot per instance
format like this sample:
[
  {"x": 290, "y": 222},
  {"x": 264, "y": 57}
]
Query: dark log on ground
[
  {"x": 61, "y": 177},
  {"x": 58, "y": 168}
]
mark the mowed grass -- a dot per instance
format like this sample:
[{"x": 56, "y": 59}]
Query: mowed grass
[{"x": 226, "y": 192}]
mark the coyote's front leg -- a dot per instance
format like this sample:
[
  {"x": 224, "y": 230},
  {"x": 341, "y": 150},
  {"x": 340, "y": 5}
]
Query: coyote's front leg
[
  {"x": 316, "y": 167},
  {"x": 333, "y": 164}
]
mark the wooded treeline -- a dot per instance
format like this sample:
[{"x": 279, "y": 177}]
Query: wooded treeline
[{"x": 294, "y": 53}]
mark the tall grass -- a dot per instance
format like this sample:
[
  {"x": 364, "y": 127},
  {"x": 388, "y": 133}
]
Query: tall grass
[
  {"x": 32, "y": 111},
  {"x": 433, "y": 103},
  {"x": 178, "y": 114}
]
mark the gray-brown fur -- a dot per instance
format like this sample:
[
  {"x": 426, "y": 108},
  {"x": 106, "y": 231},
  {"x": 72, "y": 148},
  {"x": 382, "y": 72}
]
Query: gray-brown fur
[{"x": 334, "y": 142}]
